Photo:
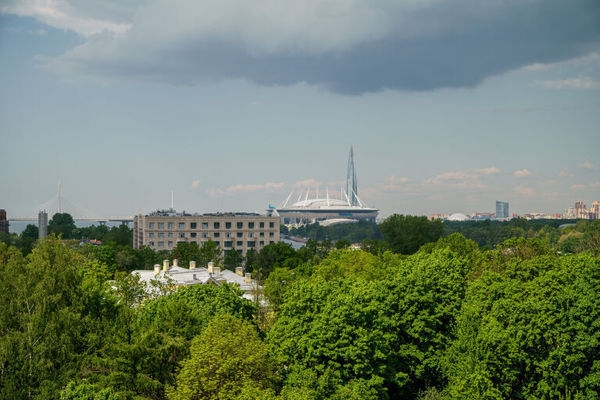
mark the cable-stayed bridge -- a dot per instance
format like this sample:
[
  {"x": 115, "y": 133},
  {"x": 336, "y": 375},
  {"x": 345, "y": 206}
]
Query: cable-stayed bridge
[{"x": 59, "y": 204}]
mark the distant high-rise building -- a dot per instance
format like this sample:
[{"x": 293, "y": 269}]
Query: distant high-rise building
[
  {"x": 580, "y": 209},
  {"x": 42, "y": 224},
  {"x": 595, "y": 210},
  {"x": 351, "y": 184},
  {"x": 501, "y": 209},
  {"x": 3, "y": 221}
]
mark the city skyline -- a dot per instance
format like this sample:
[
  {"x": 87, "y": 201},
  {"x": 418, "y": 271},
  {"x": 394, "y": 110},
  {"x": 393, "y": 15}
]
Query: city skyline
[{"x": 125, "y": 103}]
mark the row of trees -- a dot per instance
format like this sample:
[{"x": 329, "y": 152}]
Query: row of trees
[
  {"x": 450, "y": 320},
  {"x": 405, "y": 233}
]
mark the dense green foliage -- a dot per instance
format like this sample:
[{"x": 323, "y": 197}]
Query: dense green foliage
[
  {"x": 450, "y": 320},
  {"x": 353, "y": 232}
]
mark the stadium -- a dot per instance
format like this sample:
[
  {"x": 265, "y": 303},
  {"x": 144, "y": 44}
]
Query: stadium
[{"x": 327, "y": 210}]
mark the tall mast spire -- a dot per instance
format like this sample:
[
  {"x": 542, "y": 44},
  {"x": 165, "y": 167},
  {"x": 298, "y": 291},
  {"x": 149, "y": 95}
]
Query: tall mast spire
[{"x": 351, "y": 184}]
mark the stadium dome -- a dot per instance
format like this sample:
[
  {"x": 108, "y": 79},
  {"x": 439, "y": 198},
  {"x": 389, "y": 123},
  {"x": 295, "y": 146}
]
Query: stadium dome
[{"x": 458, "y": 217}]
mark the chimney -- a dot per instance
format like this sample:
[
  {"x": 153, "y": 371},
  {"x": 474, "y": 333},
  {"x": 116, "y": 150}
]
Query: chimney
[
  {"x": 165, "y": 265},
  {"x": 192, "y": 264},
  {"x": 248, "y": 277},
  {"x": 217, "y": 270},
  {"x": 239, "y": 271},
  {"x": 156, "y": 269},
  {"x": 175, "y": 262},
  {"x": 211, "y": 267},
  {"x": 194, "y": 277}
]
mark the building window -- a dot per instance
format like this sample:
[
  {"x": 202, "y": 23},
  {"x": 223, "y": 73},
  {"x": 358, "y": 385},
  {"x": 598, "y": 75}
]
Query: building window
[
  {"x": 170, "y": 234},
  {"x": 251, "y": 244},
  {"x": 239, "y": 243},
  {"x": 204, "y": 235},
  {"x": 205, "y": 225},
  {"x": 261, "y": 225},
  {"x": 161, "y": 225},
  {"x": 228, "y": 243},
  {"x": 262, "y": 234},
  {"x": 161, "y": 244},
  {"x": 151, "y": 244},
  {"x": 227, "y": 225},
  {"x": 170, "y": 244},
  {"x": 151, "y": 235},
  {"x": 271, "y": 234},
  {"x": 151, "y": 225},
  {"x": 161, "y": 234},
  {"x": 193, "y": 234},
  {"x": 250, "y": 235},
  {"x": 193, "y": 225},
  {"x": 239, "y": 234},
  {"x": 182, "y": 225},
  {"x": 216, "y": 234},
  {"x": 216, "y": 225},
  {"x": 181, "y": 235},
  {"x": 170, "y": 225},
  {"x": 271, "y": 225},
  {"x": 262, "y": 243},
  {"x": 240, "y": 225},
  {"x": 250, "y": 225}
]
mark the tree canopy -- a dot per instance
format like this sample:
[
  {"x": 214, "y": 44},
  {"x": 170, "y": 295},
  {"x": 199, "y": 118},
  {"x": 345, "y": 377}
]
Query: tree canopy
[{"x": 451, "y": 320}]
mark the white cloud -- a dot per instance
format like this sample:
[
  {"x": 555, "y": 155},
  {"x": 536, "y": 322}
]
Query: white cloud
[
  {"x": 589, "y": 165},
  {"x": 522, "y": 173},
  {"x": 468, "y": 179},
  {"x": 393, "y": 183},
  {"x": 536, "y": 67},
  {"x": 577, "y": 186},
  {"x": 196, "y": 183},
  {"x": 565, "y": 173},
  {"x": 269, "y": 187},
  {"x": 571, "y": 83},
  {"x": 309, "y": 183},
  {"x": 524, "y": 191},
  {"x": 84, "y": 17}
]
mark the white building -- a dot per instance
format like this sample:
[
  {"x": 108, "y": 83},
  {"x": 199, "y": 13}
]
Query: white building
[{"x": 178, "y": 276}]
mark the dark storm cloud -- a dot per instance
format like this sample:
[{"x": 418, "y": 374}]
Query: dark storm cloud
[{"x": 449, "y": 44}]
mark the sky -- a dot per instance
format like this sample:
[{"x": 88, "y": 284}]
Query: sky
[{"x": 227, "y": 105}]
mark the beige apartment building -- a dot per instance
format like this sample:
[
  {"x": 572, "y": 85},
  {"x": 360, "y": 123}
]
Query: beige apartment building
[{"x": 162, "y": 230}]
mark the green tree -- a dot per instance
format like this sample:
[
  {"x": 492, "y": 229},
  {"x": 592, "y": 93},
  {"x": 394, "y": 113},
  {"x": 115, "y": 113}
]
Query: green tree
[
  {"x": 274, "y": 255},
  {"x": 185, "y": 252},
  {"x": 210, "y": 252},
  {"x": 27, "y": 239},
  {"x": 120, "y": 235},
  {"x": 86, "y": 391},
  {"x": 529, "y": 331},
  {"x": 62, "y": 224},
  {"x": 406, "y": 234},
  {"x": 330, "y": 330},
  {"x": 233, "y": 259},
  {"x": 225, "y": 358},
  {"x": 45, "y": 319},
  {"x": 375, "y": 247},
  {"x": 251, "y": 260}
]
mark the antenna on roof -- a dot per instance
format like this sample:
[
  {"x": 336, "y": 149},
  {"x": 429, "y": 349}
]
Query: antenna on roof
[{"x": 172, "y": 200}]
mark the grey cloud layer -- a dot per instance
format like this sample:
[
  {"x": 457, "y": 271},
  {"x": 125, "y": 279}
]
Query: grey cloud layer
[{"x": 408, "y": 47}]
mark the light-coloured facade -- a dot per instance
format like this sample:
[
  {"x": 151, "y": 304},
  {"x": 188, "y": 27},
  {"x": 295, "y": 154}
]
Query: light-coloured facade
[
  {"x": 162, "y": 230},
  {"x": 211, "y": 275}
]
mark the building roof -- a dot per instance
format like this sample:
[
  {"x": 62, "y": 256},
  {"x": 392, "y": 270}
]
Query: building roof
[{"x": 194, "y": 276}]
